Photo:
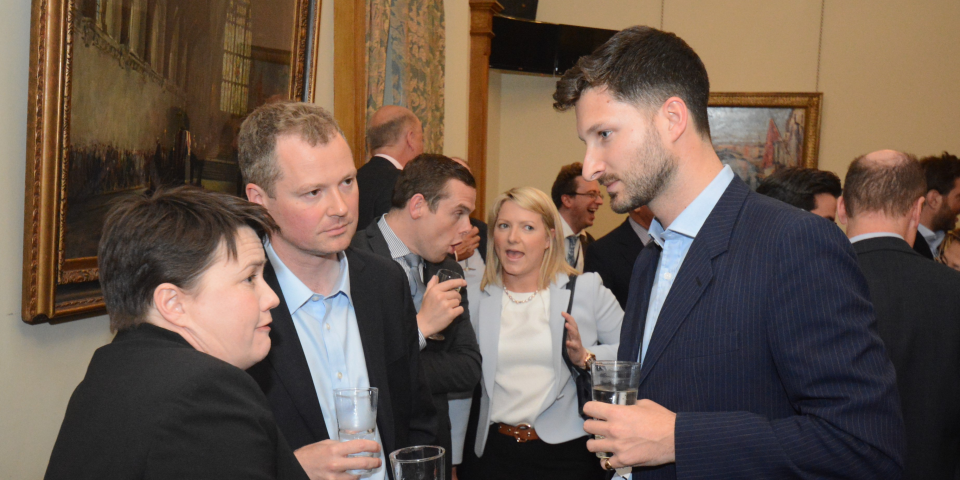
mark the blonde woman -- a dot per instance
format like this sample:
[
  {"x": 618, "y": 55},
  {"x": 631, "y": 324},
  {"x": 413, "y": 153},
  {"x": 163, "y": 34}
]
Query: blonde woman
[
  {"x": 528, "y": 425},
  {"x": 948, "y": 253}
]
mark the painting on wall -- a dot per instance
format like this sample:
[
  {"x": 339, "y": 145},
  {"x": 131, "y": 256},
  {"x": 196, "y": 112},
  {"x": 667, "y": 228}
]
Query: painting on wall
[
  {"x": 757, "y": 134},
  {"x": 129, "y": 96}
]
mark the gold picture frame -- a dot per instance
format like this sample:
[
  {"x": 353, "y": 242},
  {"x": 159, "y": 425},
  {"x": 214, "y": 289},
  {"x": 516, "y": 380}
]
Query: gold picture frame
[
  {"x": 758, "y": 133},
  {"x": 157, "y": 42}
]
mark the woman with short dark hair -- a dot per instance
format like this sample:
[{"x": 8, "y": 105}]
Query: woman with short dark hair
[{"x": 168, "y": 397}]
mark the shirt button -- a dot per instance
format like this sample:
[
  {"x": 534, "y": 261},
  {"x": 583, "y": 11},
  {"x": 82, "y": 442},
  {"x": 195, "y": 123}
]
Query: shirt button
[
  {"x": 339, "y": 376},
  {"x": 315, "y": 298},
  {"x": 326, "y": 325},
  {"x": 668, "y": 275}
]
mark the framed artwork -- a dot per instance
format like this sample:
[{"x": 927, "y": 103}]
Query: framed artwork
[
  {"x": 759, "y": 133},
  {"x": 127, "y": 96}
]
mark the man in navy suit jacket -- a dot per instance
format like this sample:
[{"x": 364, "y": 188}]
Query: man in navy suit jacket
[{"x": 760, "y": 355}]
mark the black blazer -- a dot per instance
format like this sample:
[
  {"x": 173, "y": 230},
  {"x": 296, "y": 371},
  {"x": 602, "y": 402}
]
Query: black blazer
[
  {"x": 452, "y": 365},
  {"x": 921, "y": 246},
  {"x": 612, "y": 256},
  {"x": 766, "y": 348},
  {"x": 918, "y": 314},
  {"x": 388, "y": 331},
  {"x": 482, "y": 227},
  {"x": 375, "y": 180},
  {"x": 153, "y": 407}
]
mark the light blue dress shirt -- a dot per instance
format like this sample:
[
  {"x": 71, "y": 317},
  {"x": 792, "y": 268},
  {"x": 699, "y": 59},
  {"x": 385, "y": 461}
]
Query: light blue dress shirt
[
  {"x": 330, "y": 337},
  {"x": 675, "y": 242}
]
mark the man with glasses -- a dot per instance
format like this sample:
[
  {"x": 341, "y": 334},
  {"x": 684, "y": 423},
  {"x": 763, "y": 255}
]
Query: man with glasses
[{"x": 577, "y": 199}]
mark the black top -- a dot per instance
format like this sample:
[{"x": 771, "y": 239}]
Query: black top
[
  {"x": 153, "y": 407},
  {"x": 612, "y": 257},
  {"x": 918, "y": 316},
  {"x": 375, "y": 180}
]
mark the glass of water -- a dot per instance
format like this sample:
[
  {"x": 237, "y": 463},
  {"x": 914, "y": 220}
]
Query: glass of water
[
  {"x": 615, "y": 382},
  {"x": 356, "y": 417},
  {"x": 418, "y": 463}
]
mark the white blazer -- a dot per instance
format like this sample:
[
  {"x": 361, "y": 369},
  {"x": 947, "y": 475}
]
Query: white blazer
[{"x": 598, "y": 317}]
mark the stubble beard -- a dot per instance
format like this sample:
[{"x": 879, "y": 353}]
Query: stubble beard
[
  {"x": 945, "y": 219},
  {"x": 642, "y": 187}
]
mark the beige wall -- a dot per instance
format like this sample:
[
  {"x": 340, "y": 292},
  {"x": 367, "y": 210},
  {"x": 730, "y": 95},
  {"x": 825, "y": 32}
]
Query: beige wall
[{"x": 889, "y": 72}]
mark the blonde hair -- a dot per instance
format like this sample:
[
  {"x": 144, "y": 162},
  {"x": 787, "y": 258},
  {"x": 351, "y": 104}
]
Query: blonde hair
[
  {"x": 554, "y": 260},
  {"x": 952, "y": 237}
]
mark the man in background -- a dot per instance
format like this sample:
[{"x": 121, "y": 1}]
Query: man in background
[
  {"x": 394, "y": 137},
  {"x": 917, "y": 305},
  {"x": 613, "y": 255},
  {"x": 942, "y": 202},
  {"x": 428, "y": 218},
  {"x": 577, "y": 199},
  {"x": 815, "y": 191},
  {"x": 345, "y": 318}
]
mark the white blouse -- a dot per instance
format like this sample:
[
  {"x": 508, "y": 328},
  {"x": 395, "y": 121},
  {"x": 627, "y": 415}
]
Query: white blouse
[{"x": 525, "y": 372}]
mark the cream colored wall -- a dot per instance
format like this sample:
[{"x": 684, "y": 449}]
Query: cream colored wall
[{"x": 888, "y": 72}]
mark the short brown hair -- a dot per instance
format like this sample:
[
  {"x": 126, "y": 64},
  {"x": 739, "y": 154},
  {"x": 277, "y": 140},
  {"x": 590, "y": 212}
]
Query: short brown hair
[
  {"x": 388, "y": 133},
  {"x": 892, "y": 189},
  {"x": 643, "y": 66},
  {"x": 428, "y": 175},
  {"x": 171, "y": 236},
  {"x": 260, "y": 130},
  {"x": 941, "y": 172},
  {"x": 566, "y": 182}
]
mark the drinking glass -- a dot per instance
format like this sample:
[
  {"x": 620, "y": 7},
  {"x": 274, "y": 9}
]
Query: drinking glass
[
  {"x": 615, "y": 382},
  {"x": 418, "y": 463},
  {"x": 356, "y": 417},
  {"x": 442, "y": 276}
]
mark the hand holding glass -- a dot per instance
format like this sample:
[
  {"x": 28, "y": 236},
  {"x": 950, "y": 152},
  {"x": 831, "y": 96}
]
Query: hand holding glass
[
  {"x": 418, "y": 463},
  {"x": 356, "y": 417},
  {"x": 616, "y": 383}
]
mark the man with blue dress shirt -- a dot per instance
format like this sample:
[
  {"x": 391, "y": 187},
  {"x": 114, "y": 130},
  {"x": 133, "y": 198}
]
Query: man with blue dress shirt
[
  {"x": 750, "y": 318},
  {"x": 345, "y": 318}
]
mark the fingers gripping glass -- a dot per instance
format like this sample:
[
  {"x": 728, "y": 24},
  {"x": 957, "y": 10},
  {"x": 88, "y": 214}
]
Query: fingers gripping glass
[{"x": 442, "y": 276}]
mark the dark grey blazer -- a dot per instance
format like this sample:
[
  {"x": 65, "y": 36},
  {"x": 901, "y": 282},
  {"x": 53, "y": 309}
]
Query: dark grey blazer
[
  {"x": 153, "y": 407},
  {"x": 918, "y": 314},
  {"x": 451, "y": 365},
  {"x": 612, "y": 256},
  {"x": 388, "y": 331},
  {"x": 375, "y": 180},
  {"x": 767, "y": 350}
]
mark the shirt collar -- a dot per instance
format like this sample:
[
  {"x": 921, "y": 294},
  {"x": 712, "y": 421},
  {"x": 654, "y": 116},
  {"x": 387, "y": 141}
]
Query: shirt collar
[
  {"x": 692, "y": 218},
  {"x": 639, "y": 230},
  {"x": 295, "y": 292},
  {"x": 391, "y": 160},
  {"x": 398, "y": 249},
  {"x": 868, "y": 236},
  {"x": 567, "y": 230},
  {"x": 928, "y": 234}
]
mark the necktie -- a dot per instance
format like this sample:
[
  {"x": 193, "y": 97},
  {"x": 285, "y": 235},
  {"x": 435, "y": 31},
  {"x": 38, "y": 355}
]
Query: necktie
[
  {"x": 572, "y": 250},
  {"x": 413, "y": 275}
]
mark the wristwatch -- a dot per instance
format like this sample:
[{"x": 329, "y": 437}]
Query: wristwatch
[{"x": 588, "y": 363}]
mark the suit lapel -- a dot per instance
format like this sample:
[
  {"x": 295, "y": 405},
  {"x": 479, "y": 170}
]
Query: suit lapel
[
  {"x": 370, "y": 320},
  {"x": 290, "y": 364},
  {"x": 488, "y": 332},
  {"x": 696, "y": 273}
]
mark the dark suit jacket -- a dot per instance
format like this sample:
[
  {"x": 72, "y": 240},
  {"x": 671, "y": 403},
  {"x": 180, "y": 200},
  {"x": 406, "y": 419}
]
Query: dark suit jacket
[
  {"x": 451, "y": 365},
  {"x": 767, "y": 350},
  {"x": 482, "y": 226},
  {"x": 375, "y": 181},
  {"x": 612, "y": 256},
  {"x": 921, "y": 246},
  {"x": 388, "y": 331},
  {"x": 918, "y": 314},
  {"x": 153, "y": 407}
]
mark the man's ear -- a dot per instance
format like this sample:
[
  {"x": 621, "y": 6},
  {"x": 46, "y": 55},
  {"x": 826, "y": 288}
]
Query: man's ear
[
  {"x": 416, "y": 206},
  {"x": 255, "y": 194},
  {"x": 675, "y": 117},
  {"x": 841, "y": 210},
  {"x": 566, "y": 201},
  {"x": 915, "y": 213},
  {"x": 168, "y": 299},
  {"x": 933, "y": 199}
]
